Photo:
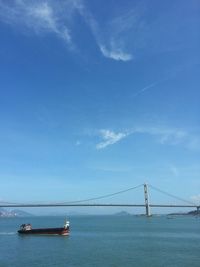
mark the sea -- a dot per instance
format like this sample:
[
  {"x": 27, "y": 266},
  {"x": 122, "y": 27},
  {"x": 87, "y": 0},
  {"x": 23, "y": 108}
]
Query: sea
[{"x": 100, "y": 241}]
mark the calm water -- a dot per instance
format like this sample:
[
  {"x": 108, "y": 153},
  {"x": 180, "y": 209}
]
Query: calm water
[{"x": 103, "y": 241}]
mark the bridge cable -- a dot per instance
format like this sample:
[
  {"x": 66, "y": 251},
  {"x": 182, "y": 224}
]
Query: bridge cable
[
  {"x": 101, "y": 197},
  {"x": 170, "y": 195},
  {"x": 83, "y": 200}
]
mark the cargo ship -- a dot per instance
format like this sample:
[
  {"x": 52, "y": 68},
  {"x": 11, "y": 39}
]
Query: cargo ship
[{"x": 28, "y": 230}]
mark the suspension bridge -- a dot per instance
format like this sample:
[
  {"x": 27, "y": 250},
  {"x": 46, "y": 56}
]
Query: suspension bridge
[{"x": 84, "y": 202}]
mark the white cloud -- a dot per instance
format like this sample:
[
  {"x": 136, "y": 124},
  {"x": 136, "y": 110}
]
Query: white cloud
[
  {"x": 110, "y": 37},
  {"x": 38, "y": 16},
  {"x": 56, "y": 17},
  {"x": 116, "y": 54},
  {"x": 171, "y": 136},
  {"x": 121, "y": 35},
  {"x": 109, "y": 138},
  {"x": 146, "y": 88},
  {"x": 164, "y": 136}
]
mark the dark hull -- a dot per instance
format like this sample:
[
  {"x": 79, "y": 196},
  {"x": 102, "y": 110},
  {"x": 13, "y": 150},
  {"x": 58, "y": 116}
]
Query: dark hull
[{"x": 45, "y": 231}]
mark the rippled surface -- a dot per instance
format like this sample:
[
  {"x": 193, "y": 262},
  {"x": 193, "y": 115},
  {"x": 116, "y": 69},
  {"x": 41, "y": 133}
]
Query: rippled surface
[{"x": 103, "y": 241}]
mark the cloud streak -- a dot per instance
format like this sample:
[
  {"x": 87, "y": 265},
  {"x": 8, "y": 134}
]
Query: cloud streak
[
  {"x": 38, "y": 16},
  {"x": 110, "y": 37},
  {"x": 146, "y": 88},
  {"x": 109, "y": 138},
  {"x": 122, "y": 35},
  {"x": 164, "y": 136},
  {"x": 115, "y": 53},
  {"x": 46, "y": 16}
]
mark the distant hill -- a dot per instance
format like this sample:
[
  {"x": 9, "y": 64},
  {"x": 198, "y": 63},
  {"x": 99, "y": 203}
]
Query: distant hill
[
  {"x": 122, "y": 213},
  {"x": 191, "y": 213},
  {"x": 13, "y": 213},
  {"x": 21, "y": 213}
]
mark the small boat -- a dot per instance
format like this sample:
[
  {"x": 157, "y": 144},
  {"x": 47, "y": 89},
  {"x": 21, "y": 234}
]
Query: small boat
[{"x": 27, "y": 230}]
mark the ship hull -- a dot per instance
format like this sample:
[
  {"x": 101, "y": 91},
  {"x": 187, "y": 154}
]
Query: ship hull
[{"x": 45, "y": 231}]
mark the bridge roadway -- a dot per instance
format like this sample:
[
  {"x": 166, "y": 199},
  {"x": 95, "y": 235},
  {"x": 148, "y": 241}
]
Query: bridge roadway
[{"x": 95, "y": 205}]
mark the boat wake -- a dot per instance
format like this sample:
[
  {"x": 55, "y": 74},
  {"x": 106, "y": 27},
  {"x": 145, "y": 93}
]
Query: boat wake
[{"x": 7, "y": 233}]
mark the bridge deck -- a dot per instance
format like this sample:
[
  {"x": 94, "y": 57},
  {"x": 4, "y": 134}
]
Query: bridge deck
[{"x": 95, "y": 205}]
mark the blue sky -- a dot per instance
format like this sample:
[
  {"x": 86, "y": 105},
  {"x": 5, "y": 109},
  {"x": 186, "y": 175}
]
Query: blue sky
[{"x": 97, "y": 97}]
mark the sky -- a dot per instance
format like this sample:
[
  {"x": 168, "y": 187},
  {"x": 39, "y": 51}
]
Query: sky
[{"x": 97, "y": 97}]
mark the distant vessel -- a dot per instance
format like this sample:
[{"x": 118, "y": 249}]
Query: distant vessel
[{"x": 27, "y": 229}]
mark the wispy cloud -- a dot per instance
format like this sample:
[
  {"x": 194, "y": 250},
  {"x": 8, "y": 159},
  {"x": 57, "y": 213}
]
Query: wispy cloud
[
  {"x": 109, "y": 138},
  {"x": 146, "y": 88},
  {"x": 38, "y": 16},
  {"x": 122, "y": 35},
  {"x": 184, "y": 138},
  {"x": 115, "y": 53},
  {"x": 170, "y": 74},
  {"x": 164, "y": 136},
  {"x": 171, "y": 136},
  {"x": 57, "y": 17},
  {"x": 111, "y": 35}
]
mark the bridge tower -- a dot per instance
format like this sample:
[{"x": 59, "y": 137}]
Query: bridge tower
[
  {"x": 146, "y": 199},
  {"x": 198, "y": 210}
]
